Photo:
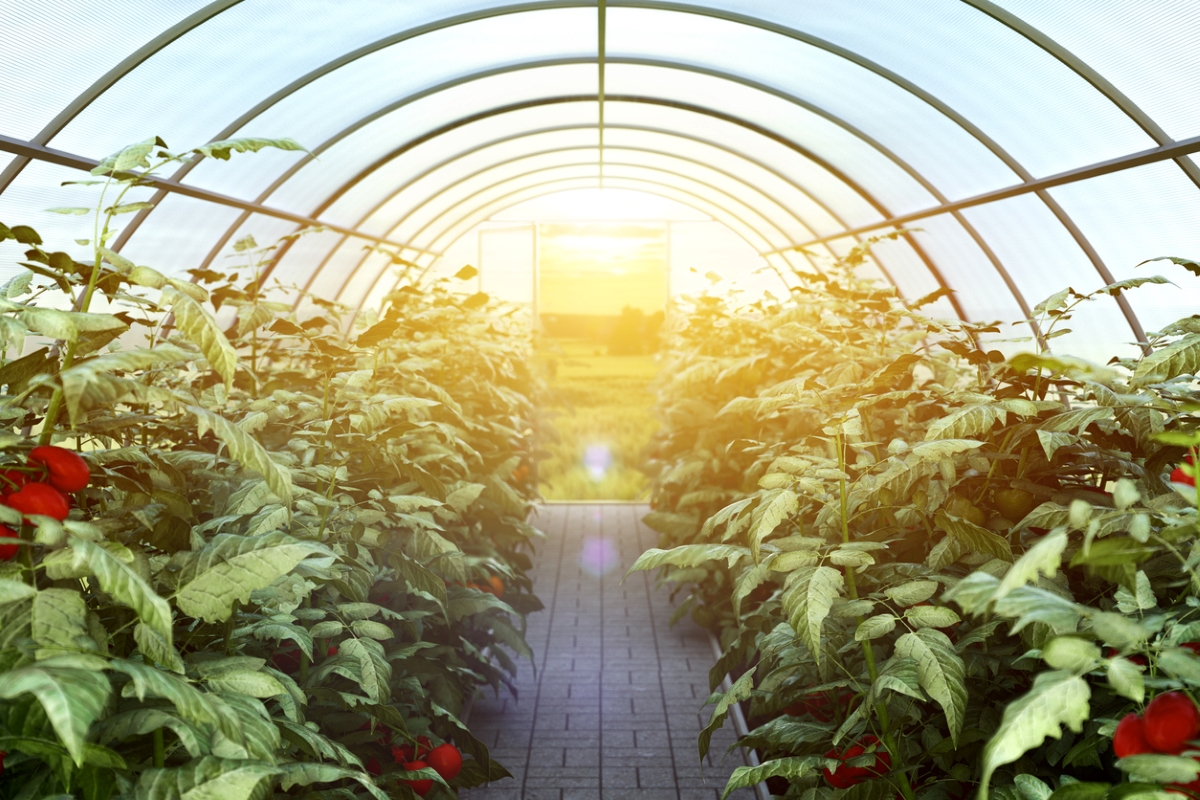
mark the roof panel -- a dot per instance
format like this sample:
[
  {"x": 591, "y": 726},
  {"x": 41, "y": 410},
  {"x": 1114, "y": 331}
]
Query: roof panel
[{"x": 951, "y": 158}]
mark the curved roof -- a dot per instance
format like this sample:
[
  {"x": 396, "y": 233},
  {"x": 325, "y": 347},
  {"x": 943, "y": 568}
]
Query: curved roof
[{"x": 1033, "y": 144}]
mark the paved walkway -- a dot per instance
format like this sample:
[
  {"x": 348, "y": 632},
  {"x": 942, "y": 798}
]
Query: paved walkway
[{"x": 615, "y": 708}]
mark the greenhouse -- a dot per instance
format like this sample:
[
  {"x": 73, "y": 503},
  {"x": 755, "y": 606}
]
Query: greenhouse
[{"x": 603, "y": 399}]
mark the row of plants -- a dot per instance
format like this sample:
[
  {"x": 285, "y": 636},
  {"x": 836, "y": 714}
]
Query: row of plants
[
  {"x": 274, "y": 556},
  {"x": 935, "y": 571}
]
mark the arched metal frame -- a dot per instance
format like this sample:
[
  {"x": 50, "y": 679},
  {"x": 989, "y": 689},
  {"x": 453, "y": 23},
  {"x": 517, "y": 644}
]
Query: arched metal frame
[
  {"x": 514, "y": 178},
  {"x": 556, "y": 185},
  {"x": 1011, "y": 21}
]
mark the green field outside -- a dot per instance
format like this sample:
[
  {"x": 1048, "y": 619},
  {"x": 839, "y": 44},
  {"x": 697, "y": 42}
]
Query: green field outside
[{"x": 601, "y": 407}]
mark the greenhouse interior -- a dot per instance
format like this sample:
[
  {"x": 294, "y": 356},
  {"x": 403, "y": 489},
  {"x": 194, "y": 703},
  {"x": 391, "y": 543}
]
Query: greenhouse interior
[{"x": 599, "y": 399}]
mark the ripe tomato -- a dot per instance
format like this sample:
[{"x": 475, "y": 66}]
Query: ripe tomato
[
  {"x": 1129, "y": 739},
  {"x": 11, "y": 480},
  {"x": 1170, "y": 721},
  {"x": 39, "y": 498},
  {"x": 8, "y": 551},
  {"x": 68, "y": 471},
  {"x": 495, "y": 586},
  {"x": 845, "y": 775},
  {"x": 1179, "y": 476},
  {"x": 446, "y": 760},
  {"x": 374, "y": 767},
  {"x": 421, "y": 787}
]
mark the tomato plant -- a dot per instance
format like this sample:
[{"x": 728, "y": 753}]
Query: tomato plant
[
  {"x": 892, "y": 510},
  {"x": 261, "y": 582}
]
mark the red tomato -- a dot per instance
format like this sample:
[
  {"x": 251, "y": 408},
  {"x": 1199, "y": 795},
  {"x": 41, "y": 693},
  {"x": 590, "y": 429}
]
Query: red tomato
[
  {"x": 332, "y": 651},
  {"x": 8, "y": 551},
  {"x": 11, "y": 480},
  {"x": 1179, "y": 476},
  {"x": 39, "y": 498},
  {"x": 1129, "y": 738},
  {"x": 846, "y": 776},
  {"x": 495, "y": 586},
  {"x": 1193, "y": 646},
  {"x": 68, "y": 471},
  {"x": 1170, "y": 720},
  {"x": 374, "y": 767},
  {"x": 446, "y": 760},
  {"x": 2, "y": 755},
  {"x": 421, "y": 787}
]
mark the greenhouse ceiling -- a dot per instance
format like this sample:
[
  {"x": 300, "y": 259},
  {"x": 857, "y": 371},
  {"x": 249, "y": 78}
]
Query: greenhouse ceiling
[{"x": 1031, "y": 144}]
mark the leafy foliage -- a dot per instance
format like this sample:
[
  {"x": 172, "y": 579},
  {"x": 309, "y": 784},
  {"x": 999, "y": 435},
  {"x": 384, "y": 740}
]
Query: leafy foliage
[
  {"x": 977, "y": 560},
  {"x": 273, "y": 574}
]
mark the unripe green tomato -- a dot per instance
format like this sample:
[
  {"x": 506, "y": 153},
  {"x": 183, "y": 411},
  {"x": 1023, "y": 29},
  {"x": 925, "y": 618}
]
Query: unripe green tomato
[
  {"x": 961, "y": 507},
  {"x": 1015, "y": 503}
]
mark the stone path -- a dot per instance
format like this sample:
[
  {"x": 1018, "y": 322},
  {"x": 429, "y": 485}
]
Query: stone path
[{"x": 615, "y": 708}]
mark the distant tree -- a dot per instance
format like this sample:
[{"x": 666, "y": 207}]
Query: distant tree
[
  {"x": 627, "y": 335},
  {"x": 651, "y": 329}
]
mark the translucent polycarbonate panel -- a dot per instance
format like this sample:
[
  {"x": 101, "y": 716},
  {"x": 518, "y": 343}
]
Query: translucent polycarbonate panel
[
  {"x": 1146, "y": 48},
  {"x": 38, "y": 188},
  {"x": 717, "y": 212},
  {"x": 50, "y": 53},
  {"x": 600, "y": 204},
  {"x": 1043, "y": 113},
  {"x": 317, "y": 182},
  {"x": 965, "y": 267},
  {"x": 950, "y": 157},
  {"x": 404, "y": 197},
  {"x": 506, "y": 263},
  {"x": 297, "y": 265},
  {"x": 1044, "y": 258},
  {"x": 340, "y": 267},
  {"x": 732, "y": 206},
  {"x": 899, "y": 191},
  {"x": 906, "y": 270},
  {"x": 203, "y": 81},
  {"x": 179, "y": 234},
  {"x": 698, "y": 249},
  {"x": 843, "y": 204},
  {"x": 771, "y": 182},
  {"x": 430, "y": 208},
  {"x": 355, "y": 92},
  {"x": 359, "y": 283},
  {"x": 1139, "y": 214}
]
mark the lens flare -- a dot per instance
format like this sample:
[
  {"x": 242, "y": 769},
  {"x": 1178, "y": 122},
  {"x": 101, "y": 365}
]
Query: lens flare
[
  {"x": 598, "y": 556},
  {"x": 597, "y": 459}
]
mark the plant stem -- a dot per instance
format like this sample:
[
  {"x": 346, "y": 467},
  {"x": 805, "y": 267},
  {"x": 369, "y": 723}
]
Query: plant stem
[
  {"x": 868, "y": 653},
  {"x": 160, "y": 749}
]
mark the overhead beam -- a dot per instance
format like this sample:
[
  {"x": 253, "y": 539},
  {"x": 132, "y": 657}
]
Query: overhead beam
[
  {"x": 1037, "y": 185},
  {"x": 40, "y": 152}
]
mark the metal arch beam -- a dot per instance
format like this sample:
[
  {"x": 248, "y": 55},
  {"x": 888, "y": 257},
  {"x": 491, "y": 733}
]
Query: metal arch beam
[
  {"x": 651, "y": 4},
  {"x": 634, "y": 181},
  {"x": 769, "y": 134},
  {"x": 110, "y": 78},
  {"x": 816, "y": 201},
  {"x": 501, "y": 183},
  {"x": 1089, "y": 74}
]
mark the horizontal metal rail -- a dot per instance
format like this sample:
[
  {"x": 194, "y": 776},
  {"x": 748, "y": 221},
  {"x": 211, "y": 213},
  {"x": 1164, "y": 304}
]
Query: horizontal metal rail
[
  {"x": 1142, "y": 158},
  {"x": 40, "y": 152}
]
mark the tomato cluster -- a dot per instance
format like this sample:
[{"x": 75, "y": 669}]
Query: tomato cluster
[
  {"x": 494, "y": 586},
  {"x": 845, "y": 775},
  {"x": 1185, "y": 475},
  {"x": 1169, "y": 722},
  {"x": 62, "y": 470},
  {"x": 445, "y": 759}
]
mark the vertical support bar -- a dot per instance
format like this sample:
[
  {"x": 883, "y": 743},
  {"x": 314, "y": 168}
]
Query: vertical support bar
[{"x": 602, "y": 31}]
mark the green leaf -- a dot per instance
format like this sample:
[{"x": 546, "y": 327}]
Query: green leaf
[
  {"x": 146, "y": 720},
  {"x": 1071, "y": 653},
  {"x": 251, "y": 684},
  {"x": 973, "y": 537},
  {"x": 308, "y": 773},
  {"x": 1053, "y": 442},
  {"x": 59, "y": 623},
  {"x": 72, "y": 699},
  {"x": 156, "y": 648},
  {"x": 931, "y": 617},
  {"x": 967, "y": 422},
  {"x": 128, "y": 208},
  {"x": 73, "y": 211},
  {"x": 12, "y": 591},
  {"x": 911, "y": 593},
  {"x": 199, "y": 328},
  {"x": 776, "y": 506},
  {"x": 689, "y": 555},
  {"x": 1080, "y": 791},
  {"x": 1044, "y": 558},
  {"x": 740, "y": 690},
  {"x": 230, "y": 567},
  {"x": 89, "y": 383},
  {"x": 874, "y": 627},
  {"x": 1057, "y": 698},
  {"x": 125, "y": 159},
  {"x": 807, "y": 599},
  {"x": 791, "y": 768},
  {"x": 1158, "y": 768},
  {"x": 247, "y": 451},
  {"x": 1178, "y": 358},
  {"x": 941, "y": 673},
  {"x": 374, "y": 669},
  {"x": 128, "y": 588},
  {"x": 221, "y": 150},
  {"x": 1118, "y": 630},
  {"x": 1125, "y": 677},
  {"x": 371, "y": 630}
]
